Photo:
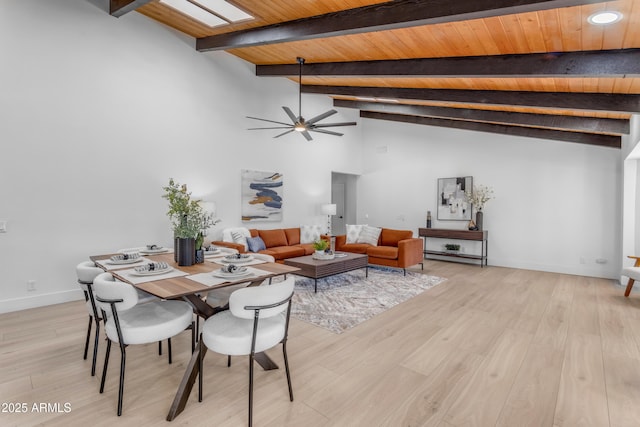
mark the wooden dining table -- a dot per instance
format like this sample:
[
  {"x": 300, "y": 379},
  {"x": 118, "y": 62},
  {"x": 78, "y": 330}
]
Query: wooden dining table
[{"x": 190, "y": 291}]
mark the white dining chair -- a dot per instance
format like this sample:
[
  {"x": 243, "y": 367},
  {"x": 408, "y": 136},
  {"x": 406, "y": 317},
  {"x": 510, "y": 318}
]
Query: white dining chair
[
  {"x": 220, "y": 297},
  {"x": 127, "y": 322},
  {"x": 257, "y": 320},
  {"x": 86, "y": 272}
]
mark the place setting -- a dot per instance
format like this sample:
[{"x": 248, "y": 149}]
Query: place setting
[
  {"x": 123, "y": 260},
  {"x": 238, "y": 259},
  {"x": 150, "y": 271},
  {"x": 226, "y": 273}
]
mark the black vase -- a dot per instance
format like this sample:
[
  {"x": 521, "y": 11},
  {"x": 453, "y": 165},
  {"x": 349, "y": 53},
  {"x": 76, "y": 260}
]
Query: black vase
[
  {"x": 186, "y": 251},
  {"x": 199, "y": 256},
  {"x": 479, "y": 220}
]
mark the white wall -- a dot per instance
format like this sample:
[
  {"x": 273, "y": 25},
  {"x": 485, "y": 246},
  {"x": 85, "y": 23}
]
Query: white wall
[
  {"x": 97, "y": 113},
  {"x": 555, "y": 202},
  {"x": 631, "y": 201}
]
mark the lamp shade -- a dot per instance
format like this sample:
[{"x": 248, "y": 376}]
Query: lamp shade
[{"x": 328, "y": 209}]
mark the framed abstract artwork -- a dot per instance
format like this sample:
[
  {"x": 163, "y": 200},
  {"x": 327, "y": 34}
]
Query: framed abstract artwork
[
  {"x": 261, "y": 196},
  {"x": 452, "y": 200}
]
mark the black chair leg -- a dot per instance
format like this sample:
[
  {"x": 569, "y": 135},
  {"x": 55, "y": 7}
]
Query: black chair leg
[
  {"x": 250, "y": 390},
  {"x": 95, "y": 349},
  {"x": 123, "y": 358},
  {"x": 194, "y": 335},
  {"x": 86, "y": 344},
  {"x": 200, "y": 369},
  {"x": 228, "y": 361},
  {"x": 106, "y": 364},
  {"x": 159, "y": 348},
  {"x": 286, "y": 368},
  {"x": 169, "y": 350}
]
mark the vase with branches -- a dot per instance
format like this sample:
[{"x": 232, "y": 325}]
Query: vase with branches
[{"x": 480, "y": 195}]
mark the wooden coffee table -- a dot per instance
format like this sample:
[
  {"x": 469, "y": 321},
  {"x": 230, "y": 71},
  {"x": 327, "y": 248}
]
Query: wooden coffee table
[{"x": 317, "y": 269}]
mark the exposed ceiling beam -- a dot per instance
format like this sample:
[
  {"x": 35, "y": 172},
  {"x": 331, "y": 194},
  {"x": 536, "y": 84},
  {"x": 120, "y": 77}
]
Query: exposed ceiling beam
[
  {"x": 575, "y": 123},
  {"x": 561, "y": 100},
  {"x": 556, "y": 135},
  {"x": 600, "y": 63},
  {"x": 378, "y": 17},
  {"x": 118, "y": 8}
]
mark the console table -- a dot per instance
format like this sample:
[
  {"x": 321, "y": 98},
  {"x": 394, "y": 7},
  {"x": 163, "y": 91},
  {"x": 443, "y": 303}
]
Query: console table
[{"x": 443, "y": 233}]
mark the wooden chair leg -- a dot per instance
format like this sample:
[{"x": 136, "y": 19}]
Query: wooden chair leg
[{"x": 629, "y": 286}]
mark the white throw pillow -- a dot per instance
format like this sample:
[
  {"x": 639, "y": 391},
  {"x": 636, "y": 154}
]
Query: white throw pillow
[
  {"x": 236, "y": 235},
  {"x": 353, "y": 231},
  {"x": 310, "y": 233},
  {"x": 369, "y": 235}
]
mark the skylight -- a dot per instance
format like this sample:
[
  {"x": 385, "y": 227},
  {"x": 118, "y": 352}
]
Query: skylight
[{"x": 210, "y": 12}]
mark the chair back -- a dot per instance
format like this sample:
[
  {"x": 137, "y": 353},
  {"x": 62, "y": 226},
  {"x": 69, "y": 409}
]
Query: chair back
[
  {"x": 106, "y": 288},
  {"x": 86, "y": 272},
  {"x": 262, "y": 297}
]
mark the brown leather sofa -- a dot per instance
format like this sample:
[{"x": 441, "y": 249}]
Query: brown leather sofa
[
  {"x": 396, "y": 248},
  {"x": 281, "y": 243}
]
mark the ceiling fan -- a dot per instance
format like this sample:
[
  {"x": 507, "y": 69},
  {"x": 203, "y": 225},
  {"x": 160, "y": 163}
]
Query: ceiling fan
[{"x": 299, "y": 123}]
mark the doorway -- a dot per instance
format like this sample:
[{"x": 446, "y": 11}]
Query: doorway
[{"x": 344, "y": 196}]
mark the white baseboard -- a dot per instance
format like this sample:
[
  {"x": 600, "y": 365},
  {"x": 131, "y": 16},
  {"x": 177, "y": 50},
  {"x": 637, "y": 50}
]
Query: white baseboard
[{"x": 17, "y": 304}]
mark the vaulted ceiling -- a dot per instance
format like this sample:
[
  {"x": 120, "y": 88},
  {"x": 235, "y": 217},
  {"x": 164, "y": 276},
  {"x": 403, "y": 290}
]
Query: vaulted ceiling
[{"x": 533, "y": 68}]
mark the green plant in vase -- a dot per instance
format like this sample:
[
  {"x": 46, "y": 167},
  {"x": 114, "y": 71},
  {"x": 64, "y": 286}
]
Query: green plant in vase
[
  {"x": 320, "y": 245},
  {"x": 189, "y": 221}
]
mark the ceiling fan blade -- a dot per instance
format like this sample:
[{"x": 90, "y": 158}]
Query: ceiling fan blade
[
  {"x": 327, "y": 132},
  {"x": 321, "y": 116},
  {"x": 306, "y": 135},
  {"x": 273, "y": 127},
  {"x": 327, "y": 125},
  {"x": 292, "y": 116},
  {"x": 266, "y": 120},
  {"x": 284, "y": 133}
]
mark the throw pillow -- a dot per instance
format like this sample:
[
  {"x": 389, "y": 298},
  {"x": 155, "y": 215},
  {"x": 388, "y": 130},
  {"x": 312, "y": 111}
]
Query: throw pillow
[
  {"x": 369, "y": 235},
  {"x": 353, "y": 231},
  {"x": 241, "y": 233},
  {"x": 256, "y": 244},
  {"x": 310, "y": 233}
]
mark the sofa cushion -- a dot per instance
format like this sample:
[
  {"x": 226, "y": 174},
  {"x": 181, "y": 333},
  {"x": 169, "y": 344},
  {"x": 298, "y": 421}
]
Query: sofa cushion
[
  {"x": 390, "y": 237},
  {"x": 255, "y": 244},
  {"x": 369, "y": 235},
  {"x": 307, "y": 247},
  {"x": 387, "y": 252},
  {"x": 273, "y": 238},
  {"x": 356, "y": 248},
  {"x": 353, "y": 231},
  {"x": 310, "y": 233},
  {"x": 284, "y": 252},
  {"x": 293, "y": 235}
]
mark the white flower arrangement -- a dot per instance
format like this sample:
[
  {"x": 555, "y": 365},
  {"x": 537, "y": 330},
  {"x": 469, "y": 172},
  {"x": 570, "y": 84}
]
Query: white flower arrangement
[{"x": 480, "y": 195}]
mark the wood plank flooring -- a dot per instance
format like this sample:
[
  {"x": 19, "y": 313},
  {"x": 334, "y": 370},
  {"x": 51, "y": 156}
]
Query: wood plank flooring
[{"x": 489, "y": 347}]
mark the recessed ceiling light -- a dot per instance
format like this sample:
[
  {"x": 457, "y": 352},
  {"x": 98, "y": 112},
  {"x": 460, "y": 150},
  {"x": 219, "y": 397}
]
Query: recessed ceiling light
[{"x": 604, "y": 18}]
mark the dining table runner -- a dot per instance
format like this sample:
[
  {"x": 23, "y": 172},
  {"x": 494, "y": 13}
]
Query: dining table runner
[
  {"x": 134, "y": 279},
  {"x": 208, "y": 279}
]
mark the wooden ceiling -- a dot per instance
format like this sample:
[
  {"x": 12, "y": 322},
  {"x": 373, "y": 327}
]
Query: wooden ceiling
[{"x": 518, "y": 67}]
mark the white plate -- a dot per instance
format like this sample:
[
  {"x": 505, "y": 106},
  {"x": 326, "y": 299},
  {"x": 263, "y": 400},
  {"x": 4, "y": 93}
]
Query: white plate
[
  {"x": 124, "y": 261},
  {"x": 214, "y": 252},
  {"x": 237, "y": 260},
  {"x": 154, "y": 251},
  {"x": 224, "y": 275},
  {"x": 151, "y": 272}
]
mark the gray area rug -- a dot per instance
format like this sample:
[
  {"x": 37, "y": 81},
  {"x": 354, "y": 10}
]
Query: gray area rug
[{"x": 346, "y": 300}]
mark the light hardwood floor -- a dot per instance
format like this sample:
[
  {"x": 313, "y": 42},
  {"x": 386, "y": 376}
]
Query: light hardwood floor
[{"x": 489, "y": 347}]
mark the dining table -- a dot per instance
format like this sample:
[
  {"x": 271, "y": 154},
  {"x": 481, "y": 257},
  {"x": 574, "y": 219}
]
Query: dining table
[{"x": 190, "y": 283}]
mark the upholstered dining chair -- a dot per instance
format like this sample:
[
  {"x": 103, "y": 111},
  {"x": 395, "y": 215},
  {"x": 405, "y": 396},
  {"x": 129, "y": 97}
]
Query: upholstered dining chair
[
  {"x": 127, "y": 322},
  {"x": 220, "y": 297},
  {"x": 633, "y": 273},
  {"x": 86, "y": 272},
  {"x": 257, "y": 320}
]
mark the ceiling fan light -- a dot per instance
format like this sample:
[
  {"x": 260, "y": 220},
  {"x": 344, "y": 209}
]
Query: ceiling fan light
[
  {"x": 299, "y": 127},
  {"x": 604, "y": 18}
]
